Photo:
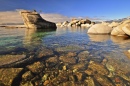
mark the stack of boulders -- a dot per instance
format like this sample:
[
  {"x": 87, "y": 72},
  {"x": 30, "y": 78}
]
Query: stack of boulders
[
  {"x": 32, "y": 19},
  {"x": 114, "y": 28},
  {"x": 76, "y": 22}
]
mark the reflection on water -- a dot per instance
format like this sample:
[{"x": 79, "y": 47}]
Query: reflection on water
[
  {"x": 70, "y": 51},
  {"x": 99, "y": 38},
  {"x": 120, "y": 39}
]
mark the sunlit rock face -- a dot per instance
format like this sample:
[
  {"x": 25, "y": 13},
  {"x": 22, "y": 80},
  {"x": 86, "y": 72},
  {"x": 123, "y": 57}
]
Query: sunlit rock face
[
  {"x": 122, "y": 29},
  {"x": 76, "y": 22},
  {"x": 100, "y": 29},
  {"x": 126, "y": 29},
  {"x": 118, "y": 31},
  {"x": 32, "y": 19}
]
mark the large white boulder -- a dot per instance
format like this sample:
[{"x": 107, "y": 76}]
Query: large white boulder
[
  {"x": 99, "y": 29},
  {"x": 126, "y": 29},
  {"x": 117, "y": 31},
  {"x": 122, "y": 29}
]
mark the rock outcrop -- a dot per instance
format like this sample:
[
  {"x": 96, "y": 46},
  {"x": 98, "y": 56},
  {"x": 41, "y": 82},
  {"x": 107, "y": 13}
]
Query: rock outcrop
[
  {"x": 32, "y": 19},
  {"x": 100, "y": 29},
  {"x": 121, "y": 29},
  {"x": 126, "y": 29}
]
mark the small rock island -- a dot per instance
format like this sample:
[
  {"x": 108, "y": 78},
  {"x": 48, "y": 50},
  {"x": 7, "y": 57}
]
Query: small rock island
[{"x": 32, "y": 19}]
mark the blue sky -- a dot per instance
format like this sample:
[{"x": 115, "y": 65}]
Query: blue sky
[{"x": 109, "y": 9}]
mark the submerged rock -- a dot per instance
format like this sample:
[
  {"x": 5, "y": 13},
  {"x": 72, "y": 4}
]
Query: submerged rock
[
  {"x": 45, "y": 52},
  {"x": 8, "y": 59},
  {"x": 82, "y": 56},
  {"x": 29, "y": 83},
  {"x": 69, "y": 48},
  {"x": 36, "y": 68},
  {"x": 68, "y": 58},
  {"x": 8, "y": 75},
  {"x": 97, "y": 68},
  {"x": 89, "y": 81},
  {"x": 32, "y": 19},
  {"x": 127, "y": 53},
  {"x": 80, "y": 66},
  {"x": 103, "y": 80},
  {"x": 27, "y": 76}
]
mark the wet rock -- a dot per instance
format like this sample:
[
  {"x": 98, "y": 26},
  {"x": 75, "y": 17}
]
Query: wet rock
[
  {"x": 7, "y": 75},
  {"x": 97, "y": 68},
  {"x": 118, "y": 81},
  {"x": 8, "y": 59},
  {"x": 104, "y": 61},
  {"x": 73, "y": 78},
  {"x": 103, "y": 80},
  {"x": 111, "y": 70},
  {"x": 36, "y": 67},
  {"x": 68, "y": 83},
  {"x": 80, "y": 66},
  {"x": 46, "y": 83},
  {"x": 127, "y": 53},
  {"x": 89, "y": 72},
  {"x": 27, "y": 84},
  {"x": 79, "y": 76},
  {"x": 89, "y": 81},
  {"x": 27, "y": 76},
  {"x": 1, "y": 84},
  {"x": 45, "y": 77},
  {"x": 64, "y": 67},
  {"x": 83, "y": 55},
  {"x": 68, "y": 58},
  {"x": 45, "y": 52},
  {"x": 119, "y": 67},
  {"x": 52, "y": 59}
]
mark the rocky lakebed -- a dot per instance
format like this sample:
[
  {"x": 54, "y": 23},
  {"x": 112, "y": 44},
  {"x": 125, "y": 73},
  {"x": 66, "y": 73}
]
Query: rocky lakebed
[{"x": 64, "y": 57}]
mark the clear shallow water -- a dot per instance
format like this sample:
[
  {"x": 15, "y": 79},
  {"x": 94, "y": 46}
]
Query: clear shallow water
[
  {"x": 75, "y": 38},
  {"x": 68, "y": 53},
  {"x": 106, "y": 51}
]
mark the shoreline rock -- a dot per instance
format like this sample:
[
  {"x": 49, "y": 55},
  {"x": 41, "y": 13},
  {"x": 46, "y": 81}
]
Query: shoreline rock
[{"x": 32, "y": 19}]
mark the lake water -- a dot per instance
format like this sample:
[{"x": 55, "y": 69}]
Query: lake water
[{"x": 64, "y": 40}]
